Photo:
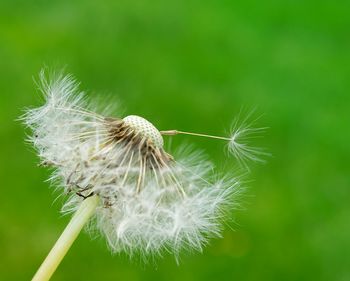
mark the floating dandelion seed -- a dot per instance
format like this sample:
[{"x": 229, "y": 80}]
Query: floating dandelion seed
[
  {"x": 242, "y": 133},
  {"x": 117, "y": 171}
]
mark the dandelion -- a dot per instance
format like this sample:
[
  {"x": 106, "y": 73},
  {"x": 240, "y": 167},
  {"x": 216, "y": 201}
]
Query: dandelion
[{"x": 118, "y": 175}]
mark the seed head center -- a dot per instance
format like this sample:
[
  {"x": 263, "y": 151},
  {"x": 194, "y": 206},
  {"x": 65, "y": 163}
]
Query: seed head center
[{"x": 145, "y": 128}]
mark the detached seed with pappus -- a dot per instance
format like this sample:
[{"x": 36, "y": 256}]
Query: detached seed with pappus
[{"x": 118, "y": 176}]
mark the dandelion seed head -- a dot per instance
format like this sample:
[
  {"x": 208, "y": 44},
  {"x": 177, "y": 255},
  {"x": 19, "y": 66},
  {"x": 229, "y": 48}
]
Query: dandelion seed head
[
  {"x": 151, "y": 202},
  {"x": 145, "y": 128}
]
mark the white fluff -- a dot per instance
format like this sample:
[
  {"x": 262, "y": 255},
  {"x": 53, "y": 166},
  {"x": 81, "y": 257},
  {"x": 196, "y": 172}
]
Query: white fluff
[
  {"x": 240, "y": 141},
  {"x": 71, "y": 138}
]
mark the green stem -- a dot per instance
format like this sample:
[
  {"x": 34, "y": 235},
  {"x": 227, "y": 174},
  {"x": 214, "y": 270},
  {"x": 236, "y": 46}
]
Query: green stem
[{"x": 71, "y": 232}]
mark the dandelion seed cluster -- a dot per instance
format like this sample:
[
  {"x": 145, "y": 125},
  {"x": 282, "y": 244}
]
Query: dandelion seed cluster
[{"x": 150, "y": 201}]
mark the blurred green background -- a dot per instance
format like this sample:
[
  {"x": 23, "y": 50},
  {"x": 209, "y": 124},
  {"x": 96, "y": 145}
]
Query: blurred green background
[{"x": 192, "y": 65}]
